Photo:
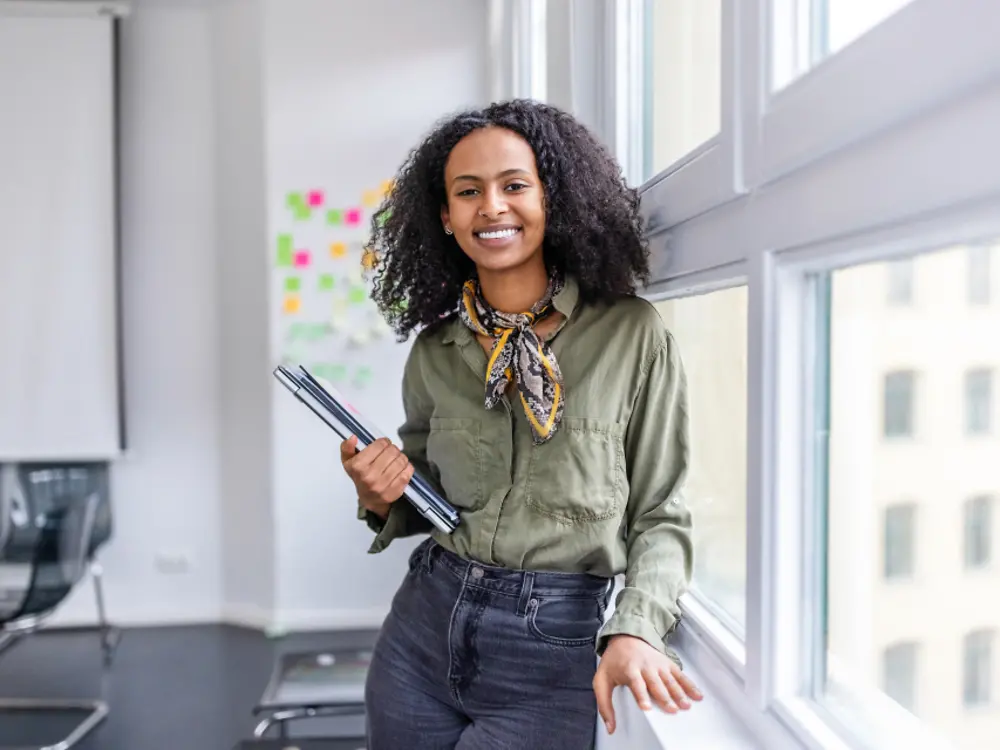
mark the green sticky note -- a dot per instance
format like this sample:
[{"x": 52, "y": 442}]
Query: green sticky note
[
  {"x": 302, "y": 212},
  {"x": 292, "y": 284},
  {"x": 285, "y": 256},
  {"x": 383, "y": 217},
  {"x": 285, "y": 243},
  {"x": 294, "y": 200},
  {"x": 326, "y": 282},
  {"x": 363, "y": 374},
  {"x": 338, "y": 373},
  {"x": 357, "y": 295},
  {"x": 335, "y": 216}
]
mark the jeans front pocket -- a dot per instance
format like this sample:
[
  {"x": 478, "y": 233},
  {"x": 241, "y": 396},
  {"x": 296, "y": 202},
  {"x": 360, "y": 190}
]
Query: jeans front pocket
[
  {"x": 579, "y": 474},
  {"x": 566, "y": 621},
  {"x": 453, "y": 453}
]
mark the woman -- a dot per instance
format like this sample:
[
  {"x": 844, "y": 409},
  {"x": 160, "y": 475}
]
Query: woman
[{"x": 547, "y": 402}]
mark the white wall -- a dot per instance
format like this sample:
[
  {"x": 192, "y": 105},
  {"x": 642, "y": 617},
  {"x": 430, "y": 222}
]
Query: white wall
[
  {"x": 227, "y": 105},
  {"x": 165, "y": 494},
  {"x": 247, "y": 543},
  {"x": 348, "y": 94}
]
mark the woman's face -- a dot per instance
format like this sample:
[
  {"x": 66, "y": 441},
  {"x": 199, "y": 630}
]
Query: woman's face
[{"x": 495, "y": 202}]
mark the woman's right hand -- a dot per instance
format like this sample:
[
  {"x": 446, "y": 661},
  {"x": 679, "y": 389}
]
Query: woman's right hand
[{"x": 380, "y": 473}]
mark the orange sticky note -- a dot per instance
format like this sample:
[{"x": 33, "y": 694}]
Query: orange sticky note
[
  {"x": 293, "y": 304},
  {"x": 338, "y": 249},
  {"x": 386, "y": 187},
  {"x": 369, "y": 259},
  {"x": 371, "y": 198}
]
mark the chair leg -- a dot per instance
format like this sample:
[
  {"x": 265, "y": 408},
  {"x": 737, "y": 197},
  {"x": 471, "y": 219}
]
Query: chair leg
[
  {"x": 110, "y": 636},
  {"x": 96, "y": 713}
]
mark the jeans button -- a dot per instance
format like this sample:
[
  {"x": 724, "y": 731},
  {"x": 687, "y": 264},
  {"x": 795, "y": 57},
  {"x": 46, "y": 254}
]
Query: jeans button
[{"x": 477, "y": 572}]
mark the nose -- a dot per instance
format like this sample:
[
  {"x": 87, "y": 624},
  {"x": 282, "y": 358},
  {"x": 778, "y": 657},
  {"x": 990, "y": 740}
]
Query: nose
[{"x": 493, "y": 204}]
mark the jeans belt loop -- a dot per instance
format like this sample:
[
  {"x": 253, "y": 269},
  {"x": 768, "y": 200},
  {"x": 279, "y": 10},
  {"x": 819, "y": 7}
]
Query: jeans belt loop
[{"x": 527, "y": 584}]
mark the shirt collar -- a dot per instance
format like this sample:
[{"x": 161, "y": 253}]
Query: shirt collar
[{"x": 565, "y": 301}]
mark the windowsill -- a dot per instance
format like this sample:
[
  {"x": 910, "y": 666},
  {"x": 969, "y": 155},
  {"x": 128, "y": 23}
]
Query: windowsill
[{"x": 709, "y": 723}]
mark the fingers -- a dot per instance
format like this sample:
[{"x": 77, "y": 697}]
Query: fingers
[
  {"x": 685, "y": 684},
  {"x": 659, "y": 690},
  {"x": 398, "y": 485},
  {"x": 380, "y": 471},
  {"x": 348, "y": 448},
  {"x": 637, "y": 684},
  {"x": 602, "y": 690}
]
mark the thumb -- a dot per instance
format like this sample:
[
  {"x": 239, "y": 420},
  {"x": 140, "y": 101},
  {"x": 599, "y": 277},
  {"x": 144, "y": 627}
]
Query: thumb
[
  {"x": 602, "y": 690},
  {"x": 347, "y": 448}
]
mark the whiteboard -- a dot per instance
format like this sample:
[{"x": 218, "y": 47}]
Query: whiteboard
[{"x": 59, "y": 390}]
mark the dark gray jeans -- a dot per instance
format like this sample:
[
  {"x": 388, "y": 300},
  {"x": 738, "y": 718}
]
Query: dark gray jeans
[{"x": 475, "y": 657}]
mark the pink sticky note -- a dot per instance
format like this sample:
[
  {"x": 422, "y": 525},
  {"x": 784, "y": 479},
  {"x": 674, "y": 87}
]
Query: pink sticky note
[
  {"x": 301, "y": 258},
  {"x": 352, "y": 217},
  {"x": 315, "y": 198}
]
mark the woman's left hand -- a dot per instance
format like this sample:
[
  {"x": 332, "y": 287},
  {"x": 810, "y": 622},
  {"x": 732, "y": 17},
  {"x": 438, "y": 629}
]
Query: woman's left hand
[{"x": 631, "y": 661}]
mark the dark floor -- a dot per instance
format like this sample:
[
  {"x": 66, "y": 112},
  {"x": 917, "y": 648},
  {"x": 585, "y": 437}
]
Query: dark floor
[{"x": 190, "y": 688}]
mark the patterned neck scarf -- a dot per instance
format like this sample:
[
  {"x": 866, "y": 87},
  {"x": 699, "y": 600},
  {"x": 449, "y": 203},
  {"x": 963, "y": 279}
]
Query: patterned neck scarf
[{"x": 519, "y": 353}]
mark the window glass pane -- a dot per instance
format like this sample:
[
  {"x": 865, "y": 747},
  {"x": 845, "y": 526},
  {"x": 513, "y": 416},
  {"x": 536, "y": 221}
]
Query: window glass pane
[
  {"x": 711, "y": 331},
  {"x": 808, "y": 31},
  {"x": 978, "y": 531},
  {"x": 978, "y": 401},
  {"x": 909, "y": 586},
  {"x": 980, "y": 274},
  {"x": 683, "y": 67}
]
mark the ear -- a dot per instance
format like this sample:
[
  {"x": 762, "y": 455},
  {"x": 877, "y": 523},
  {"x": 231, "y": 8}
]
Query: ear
[{"x": 445, "y": 218}]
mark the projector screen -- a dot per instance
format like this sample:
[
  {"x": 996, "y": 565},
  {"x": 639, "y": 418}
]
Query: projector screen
[{"x": 59, "y": 374}]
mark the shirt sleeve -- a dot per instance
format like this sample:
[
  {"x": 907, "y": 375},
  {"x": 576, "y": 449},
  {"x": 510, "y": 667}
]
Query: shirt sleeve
[
  {"x": 403, "y": 519},
  {"x": 658, "y": 521}
]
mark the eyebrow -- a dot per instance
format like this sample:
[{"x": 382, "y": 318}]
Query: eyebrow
[{"x": 505, "y": 173}]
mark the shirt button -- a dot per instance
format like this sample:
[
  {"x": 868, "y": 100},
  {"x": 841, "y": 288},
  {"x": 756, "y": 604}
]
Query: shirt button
[{"x": 477, "y": 572}]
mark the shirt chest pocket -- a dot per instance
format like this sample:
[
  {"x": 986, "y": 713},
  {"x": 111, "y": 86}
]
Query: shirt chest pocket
[
  {"x": 579, "y": 475},
  {"x": 453, "y": 452}
]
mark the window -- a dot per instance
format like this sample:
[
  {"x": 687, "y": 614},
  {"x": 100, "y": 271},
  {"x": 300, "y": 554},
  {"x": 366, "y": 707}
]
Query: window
[
  {"x": 684, "y": 64},
  {"x": 902, "y": 523},
  {"x": 900, "y": 275},
  {"x": 980, "y": 272},
  {"x": 977, "y": 668},
  {"x": 899, "y": 674},
  {"x": 897, "y": 554},
  {"x": 978, "y": 538},
  {"x": 711, "y": 332},
  {"x": 897, "y": 418},
  {"x": 824, "y": 27},
  {"x": 978, "y": 401}
]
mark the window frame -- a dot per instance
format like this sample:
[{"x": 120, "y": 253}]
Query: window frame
[{"x": 813, "y": 117}]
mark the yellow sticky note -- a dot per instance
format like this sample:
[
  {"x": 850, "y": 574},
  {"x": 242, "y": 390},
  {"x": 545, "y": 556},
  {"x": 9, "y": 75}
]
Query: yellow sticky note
[
  {"x": 338, "y": 249},
  {"x": 371, "y": 198},
  {"x": 293, "y": 303},
  {"x": 386, "y": 187},
  {"x": 369, "y": 259}
]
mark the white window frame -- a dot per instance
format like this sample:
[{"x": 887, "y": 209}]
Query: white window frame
[
  {"x": 707, "y": 176},
  {"x": 899, "y": 61}
]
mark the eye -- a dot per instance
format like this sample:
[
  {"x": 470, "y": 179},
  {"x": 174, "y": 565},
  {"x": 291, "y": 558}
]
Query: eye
[
  {"x": 517, "y": 186},
  {"x": 467, "y": 192}
]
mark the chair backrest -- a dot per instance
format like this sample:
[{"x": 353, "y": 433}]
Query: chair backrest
[{"x": 55, "y": 512}]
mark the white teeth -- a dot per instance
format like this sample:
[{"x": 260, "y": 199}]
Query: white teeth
[{"x": 497, "y": 235}]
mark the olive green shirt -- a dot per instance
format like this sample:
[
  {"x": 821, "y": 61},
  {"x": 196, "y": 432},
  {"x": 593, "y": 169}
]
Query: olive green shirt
[{"x": 602, "y": 496}]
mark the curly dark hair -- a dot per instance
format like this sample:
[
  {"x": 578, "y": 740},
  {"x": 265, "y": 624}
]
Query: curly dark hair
[{"x": 592, "y": 225}]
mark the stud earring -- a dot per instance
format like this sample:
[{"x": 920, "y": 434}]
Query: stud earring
[{"x": 447, "y": 230}]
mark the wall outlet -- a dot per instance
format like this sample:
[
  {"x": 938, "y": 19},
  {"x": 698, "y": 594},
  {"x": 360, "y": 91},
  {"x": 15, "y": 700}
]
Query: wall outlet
[{"x": 172, "y": 562}]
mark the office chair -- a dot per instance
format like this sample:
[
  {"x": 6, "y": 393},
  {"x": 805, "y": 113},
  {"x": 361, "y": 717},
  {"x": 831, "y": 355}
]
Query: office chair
[{"x": 55, "y": 517}]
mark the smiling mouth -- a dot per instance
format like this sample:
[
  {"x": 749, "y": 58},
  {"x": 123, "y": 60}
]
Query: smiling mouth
[{"x": 497, "y": 234}]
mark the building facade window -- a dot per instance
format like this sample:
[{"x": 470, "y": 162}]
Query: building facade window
[
  {"x": 978, "y": 401},
  {"x": 898, "y": 547},
  {"x": 898, "y": 401},
  {"x": 980, "y": 274},
  {"x": 900, "y": 278},
  {"x": 977, "y": 668},
  {"x": 899, "y": 674},
  {"x": 978, "y": 542}
]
